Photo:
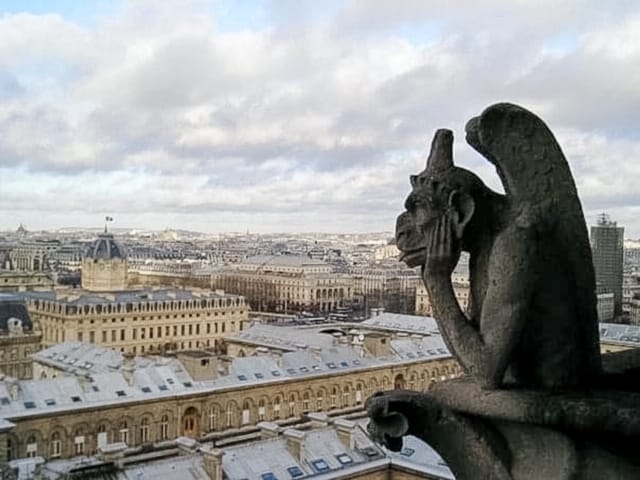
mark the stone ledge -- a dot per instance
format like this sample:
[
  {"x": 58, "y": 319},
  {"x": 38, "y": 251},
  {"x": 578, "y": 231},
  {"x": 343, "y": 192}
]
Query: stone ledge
[{"x": 599, "y": 410}]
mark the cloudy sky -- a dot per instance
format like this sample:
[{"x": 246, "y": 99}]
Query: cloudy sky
[{"x": 296, "y": 115}]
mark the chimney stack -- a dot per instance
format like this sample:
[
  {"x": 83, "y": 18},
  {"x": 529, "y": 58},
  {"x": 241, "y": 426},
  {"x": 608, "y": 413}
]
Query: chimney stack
[
  {"x": 318, "y": 419},
  {"x": 295, "y": 443},
  {"x": 346, "y": 432},
  {"x": 268, "y": 430},
  {"x": 213, "y": 462}
]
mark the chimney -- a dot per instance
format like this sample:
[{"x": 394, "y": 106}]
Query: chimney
[
  {"x": 268, "y": 430},
  {"x": 317, "y": 353},
  {"x": 13, "y": 387},
  {"x": 295, "y": 442},
  {"x": 128, "y": 369},
  {"x": 318, "y": 419},
  {"x": 213, "y": 462},
  {"x": 345, "y": 430}
]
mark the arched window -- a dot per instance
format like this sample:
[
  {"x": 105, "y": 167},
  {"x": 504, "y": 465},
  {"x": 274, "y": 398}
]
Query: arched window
[
  {"x": 32, "y": 446},
  {"x": 164, "y": 427},
  {"x": 305, "y": 402},
  {"x": 124, "y": 431},
  {"x": 276, "y": 407},
  {"x": 56, "y": 445},
  {"x": 246, "y": 413},
  {"x": 78, "y": 441},
  {"x": 261, "y": 409},
  {"x": 144, "y": 430},
  {"x": 213, "y": 417}
]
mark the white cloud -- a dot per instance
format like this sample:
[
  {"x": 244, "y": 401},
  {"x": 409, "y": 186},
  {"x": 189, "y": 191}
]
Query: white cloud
[{"x": 159, "y": 113}]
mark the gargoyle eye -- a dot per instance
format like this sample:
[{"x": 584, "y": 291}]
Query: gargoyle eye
[{"x": 413, "y": 180}]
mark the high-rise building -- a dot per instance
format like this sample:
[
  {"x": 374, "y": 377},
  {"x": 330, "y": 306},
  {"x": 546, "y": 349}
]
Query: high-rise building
[{"x": 607, "y": 242}]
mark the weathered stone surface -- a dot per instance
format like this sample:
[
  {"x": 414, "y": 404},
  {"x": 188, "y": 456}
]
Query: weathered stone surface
[{"x": 535, "y": 403}]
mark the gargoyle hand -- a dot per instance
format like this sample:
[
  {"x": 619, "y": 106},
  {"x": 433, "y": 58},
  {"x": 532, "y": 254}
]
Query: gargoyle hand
[
  {"x": 386, "y": 428},
  {"x": 442, "y": 249}
]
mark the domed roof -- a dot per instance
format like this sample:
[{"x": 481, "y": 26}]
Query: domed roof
[
  {"x": 106, "y": 248},
  {"x": 14, "y": 308}
]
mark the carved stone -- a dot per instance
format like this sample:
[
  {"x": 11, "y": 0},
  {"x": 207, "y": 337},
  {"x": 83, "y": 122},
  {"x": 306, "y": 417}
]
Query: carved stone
[{"x": 535, "y": 402}]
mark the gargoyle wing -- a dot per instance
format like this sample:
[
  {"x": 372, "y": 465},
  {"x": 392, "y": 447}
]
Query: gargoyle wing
[
  {"x": 528, "y": 159},
  {"x": 541, "y": 193}
]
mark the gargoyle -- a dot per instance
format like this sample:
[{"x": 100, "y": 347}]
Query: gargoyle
[{"x": 532, "y": 316}]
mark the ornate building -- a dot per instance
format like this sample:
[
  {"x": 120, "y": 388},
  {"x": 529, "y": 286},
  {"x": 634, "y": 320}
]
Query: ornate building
[
  {"x": 138, "y": 321},
  {"x": 280, "y": 380},
  {"x": 21, "y": 281},
  {"x": 18, "y": 337},
  {"x": 287, "y": 283},
  {"x": 32, "y": 255},
  {"x": 460, "y": 289},
  {"x": 104, "y": 267}
]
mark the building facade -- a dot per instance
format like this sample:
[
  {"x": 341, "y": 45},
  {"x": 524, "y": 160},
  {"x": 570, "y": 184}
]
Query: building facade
[
  {"x": 287, "y": 284},
  {"x": 138, "y": 321},
  {"x": 76, "y": 415},
  {"x": 32, "y": 255},
  {"x": 19, "y": 338},
  {"x": 607, "y": 247},
  {"x": 460, "y": 289}
]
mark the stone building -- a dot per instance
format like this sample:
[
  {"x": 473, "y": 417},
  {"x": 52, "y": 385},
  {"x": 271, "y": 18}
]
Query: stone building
[
  {"x": 21, "y": 281},
  {"x": 32, "y": 255},
  {"x": 460, "y": 289},
  {"x": 147, "y": 402},
  {"x": 104, "y": 266},
  {"x": 287, "y": 283},
  {"x": 392, "y": 288},
  {"x": 138, "y": 321},
  {"x": 331, "y": 448},
  {"x": 19, "y": 338}
]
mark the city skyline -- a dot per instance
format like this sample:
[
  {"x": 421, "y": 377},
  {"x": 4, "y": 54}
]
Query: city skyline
[{"x": 276, "y": 116}]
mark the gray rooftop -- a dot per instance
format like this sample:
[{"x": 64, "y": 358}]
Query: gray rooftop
[{"x": 619, "y": 333}]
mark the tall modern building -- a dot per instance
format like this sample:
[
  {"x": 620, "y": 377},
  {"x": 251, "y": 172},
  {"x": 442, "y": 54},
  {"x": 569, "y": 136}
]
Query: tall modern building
[{"x": 607, "y": 241}]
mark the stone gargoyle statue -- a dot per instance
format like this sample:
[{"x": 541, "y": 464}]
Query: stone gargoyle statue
[{"x": 534, "y": 402}]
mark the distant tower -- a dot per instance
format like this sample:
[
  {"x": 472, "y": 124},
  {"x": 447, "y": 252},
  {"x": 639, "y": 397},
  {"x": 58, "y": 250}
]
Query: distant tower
[
  {"x": 607, "y": 246},
  {"x": 104, "y": 267}
]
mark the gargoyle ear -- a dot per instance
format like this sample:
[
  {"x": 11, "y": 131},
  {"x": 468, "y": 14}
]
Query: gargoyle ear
[{"x": 463, "y": 205}]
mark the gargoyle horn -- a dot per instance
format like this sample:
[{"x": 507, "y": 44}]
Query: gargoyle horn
[{"x": 441, "y": 156}]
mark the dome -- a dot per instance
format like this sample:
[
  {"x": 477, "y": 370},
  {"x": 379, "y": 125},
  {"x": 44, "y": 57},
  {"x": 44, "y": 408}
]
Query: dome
[
  {"x": 13, "y": 310},
  {"x": 105, "y": 248}
]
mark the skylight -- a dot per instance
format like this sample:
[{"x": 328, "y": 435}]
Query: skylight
[
  {"x": 29, "y": 404},
  {"x": 295, "y": 472},
  {"x": 320, "y": 465}
]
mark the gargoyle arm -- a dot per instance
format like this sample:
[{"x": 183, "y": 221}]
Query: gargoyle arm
[{"x": 484, "y": 347}]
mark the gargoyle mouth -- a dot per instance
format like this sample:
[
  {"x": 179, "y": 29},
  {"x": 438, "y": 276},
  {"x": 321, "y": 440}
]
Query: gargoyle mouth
[{"x": 414, "y": 258}]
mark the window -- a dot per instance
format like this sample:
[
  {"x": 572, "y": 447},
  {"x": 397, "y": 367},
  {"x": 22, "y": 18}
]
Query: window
[
  {"x": 124, "y": 432},
  {"x": 164, "y": 427},
  {"x": 32, "y": 447},
  {"x": 407, "y": 452},
  {"x": 121, "y": 393},
  {"x": 144, "y": 430},
  {"x": 344, "y": 459},
  {"x": 268, "y": 476},
  {"x": 56, "y": 445},
  {"x": 320, "y": 465},
  {"x": 295, "y": 472},
  {"x": 79, "y": 444}
]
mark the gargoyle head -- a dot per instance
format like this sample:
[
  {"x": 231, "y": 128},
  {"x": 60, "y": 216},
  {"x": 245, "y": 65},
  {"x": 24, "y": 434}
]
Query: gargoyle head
[{"x": 440, "y": 188}]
